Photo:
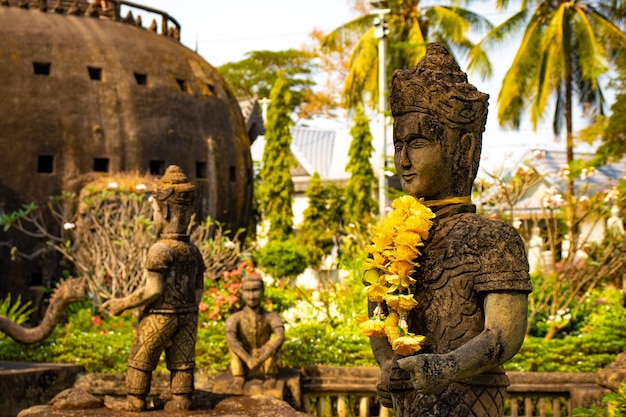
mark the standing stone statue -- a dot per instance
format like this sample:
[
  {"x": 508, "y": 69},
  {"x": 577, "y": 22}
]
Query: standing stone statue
[
  {"x": 472, "y": 284},
  {"x": 254, "y": 337},
  {"x": 171, "y": 294}
]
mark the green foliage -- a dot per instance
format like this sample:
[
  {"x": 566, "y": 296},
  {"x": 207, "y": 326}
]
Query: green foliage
[
  {"x": 412, "y": 24},
  {"x": 614, "y": 406},
  {"x": 282, "y": 259},
  {"x": 597, "y": 334},
  {"x": 320, "y": 225},
  {"x": 359, "y": 207},
  {"x": 276, "y": 185},
  {"x": 318, "y": 343},
  {"x": 211, "y": 350},
  {"x": 17, "y": 311},
  {"x": 255, "y": 75}
]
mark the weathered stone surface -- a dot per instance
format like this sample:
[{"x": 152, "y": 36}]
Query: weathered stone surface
[
  {"x": 24, "y": 384},
  {"x": 184, "y": 114},
  {"x": 205, "y": 404},
  {"x": 67, "y": 292},
  {"x": 254, "y": 337},
  {"x": 614, "y": 374},
  {"x": 468, "y": 298},
  {"x": 174, "y": 280},
  {"x": 75, "y": 399}
]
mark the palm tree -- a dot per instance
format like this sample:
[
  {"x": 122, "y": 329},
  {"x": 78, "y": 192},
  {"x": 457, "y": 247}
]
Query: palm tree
[
  {"x": 411, "y": 28},
  {"x": 566, "y": 47}
]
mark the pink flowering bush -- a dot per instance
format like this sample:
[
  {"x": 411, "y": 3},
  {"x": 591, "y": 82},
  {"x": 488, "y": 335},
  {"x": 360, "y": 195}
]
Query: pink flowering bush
[{"x": 221, "y": 295}]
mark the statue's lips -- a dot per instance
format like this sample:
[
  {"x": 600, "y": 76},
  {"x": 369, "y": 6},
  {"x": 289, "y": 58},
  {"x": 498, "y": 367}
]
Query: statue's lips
[{"x": 408, "y": 177}]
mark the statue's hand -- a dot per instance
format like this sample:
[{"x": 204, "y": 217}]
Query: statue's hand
[
  {"x": 114, "y": 306},
  {"x": 430, "y": 374},
  {"x": 384, "y": 396}
]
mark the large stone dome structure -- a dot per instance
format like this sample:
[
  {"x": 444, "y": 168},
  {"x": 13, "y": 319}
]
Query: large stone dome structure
[{"x": 85, "y": 94}]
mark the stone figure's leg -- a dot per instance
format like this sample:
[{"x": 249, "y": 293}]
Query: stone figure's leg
[
  {"x": 181, "y": 385},
  {"x": 270, "y": 370},
  {"x": 138, "y": 386},
  {"x": 153, "y": 333},
  {"x": 486, "y": 401},
  {"x": 238, "y": 370},
  {"x": 181, "y": 360},
  {"x": 459, "y": 400}
]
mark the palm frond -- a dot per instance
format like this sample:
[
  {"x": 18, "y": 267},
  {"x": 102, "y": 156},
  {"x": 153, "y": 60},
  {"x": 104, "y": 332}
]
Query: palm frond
[
  {"x": 363, "y": 70},
  {"x": 346, "y": 34},
  {"x": 514, "y": 93},
  {"x": 448, "y": 22}
]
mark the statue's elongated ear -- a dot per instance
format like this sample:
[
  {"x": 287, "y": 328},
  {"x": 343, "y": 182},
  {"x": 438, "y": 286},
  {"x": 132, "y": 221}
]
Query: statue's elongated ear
[
  {"x": 163, "y": 193},
  {"x": 469, "y": 147}
]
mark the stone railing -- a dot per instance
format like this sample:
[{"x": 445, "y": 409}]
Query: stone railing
[
  {"x": 341, "y": 391},
  {"x": 334, "y": 391}
]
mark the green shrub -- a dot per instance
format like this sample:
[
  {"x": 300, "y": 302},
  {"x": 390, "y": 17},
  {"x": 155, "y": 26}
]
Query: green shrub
[
  {"x": 17, "y": 311},
  {"x": 599, "y": 337},
  {"x": 317, "y": 343},
  {"x": 282, "y": 259},
  {"x": 614, "y": 406}
]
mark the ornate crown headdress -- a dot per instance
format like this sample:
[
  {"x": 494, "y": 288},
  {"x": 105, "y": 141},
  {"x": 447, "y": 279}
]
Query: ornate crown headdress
[
  {"x": 438, "y": 87},
  {"x": 175, "y": 187}
]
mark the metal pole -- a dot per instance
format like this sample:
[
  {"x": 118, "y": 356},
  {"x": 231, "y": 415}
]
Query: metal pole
[
  {"x": 382, "y": 108},
  {"x": 381, "y": 33}
]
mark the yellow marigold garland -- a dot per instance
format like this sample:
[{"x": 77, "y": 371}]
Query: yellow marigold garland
[{"x": 389, "y": 271}]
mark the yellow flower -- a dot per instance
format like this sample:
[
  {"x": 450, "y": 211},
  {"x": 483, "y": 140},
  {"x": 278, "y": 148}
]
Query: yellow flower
[
  {"x": 371, "y": 276},
  {"x": 375, "y": 292},
  {"x": 391, "y": 327},
  {"x": 419, "y": 225},
  {"x": 402, "y": 268},
  {"x": 407, "y": 345},
  {"x": 376, "y": 261},
  {"x": 406, "y": 253},
  {"x": 395, "y": 219},
  {"x": 382, "y": 242},
  {"x": 386, "y": 228},
  {"x": 401, "y": 301},
  {"x": 406, "y": 203},
  {"x": 408, "y": 238},
  {"x": 392, "y": 261},
  {"x": 421, "y": 211},
  {"x": 373, "y": 327}
]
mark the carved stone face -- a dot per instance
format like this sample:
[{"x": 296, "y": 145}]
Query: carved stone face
[
  {"x": 252, "y": 293},
  {"x": 421, "y": 156}
]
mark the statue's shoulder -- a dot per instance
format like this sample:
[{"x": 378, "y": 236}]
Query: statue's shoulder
[
  {"x": 234, "y": 318},
  {"x": 273, "y": 318},
  {"x": 472, "y": 232},
  {"x": 160, "y": 255},
  {"x": 480, "y": 224}
]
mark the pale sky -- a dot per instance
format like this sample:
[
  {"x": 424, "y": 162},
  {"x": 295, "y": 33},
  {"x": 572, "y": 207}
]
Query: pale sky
[{"x": 223, "y": 31}]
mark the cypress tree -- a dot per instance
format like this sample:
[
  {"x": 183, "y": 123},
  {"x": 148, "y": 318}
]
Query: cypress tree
[
  {"x": 276, "y": 186},
  {"x": 360, "y": 206}
]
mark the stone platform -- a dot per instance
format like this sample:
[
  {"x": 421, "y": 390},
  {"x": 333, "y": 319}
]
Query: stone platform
[{"x": 23, "y": 384}]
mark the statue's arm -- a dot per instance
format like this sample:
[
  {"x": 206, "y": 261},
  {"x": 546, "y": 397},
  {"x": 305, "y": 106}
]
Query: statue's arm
[
  {"x": 505, "y": 328},
  {"x": 274, "y": 343},
  {"x": 153, "y": 288},
  {"x": 384, "y": 356},
  {"x": 233, "y": 343}
]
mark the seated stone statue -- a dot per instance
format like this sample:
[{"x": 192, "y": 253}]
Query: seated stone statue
[
  {"x": 472, "y": 284},
  {"x": 254, "y": 337},
  {"x": 171, "y": 294}
]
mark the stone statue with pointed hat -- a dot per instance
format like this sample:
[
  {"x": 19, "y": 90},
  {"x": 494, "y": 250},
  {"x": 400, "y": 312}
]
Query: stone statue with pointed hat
[
  {"x": 472, "y": 284},
  {"x": 170, "y": 297}
]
